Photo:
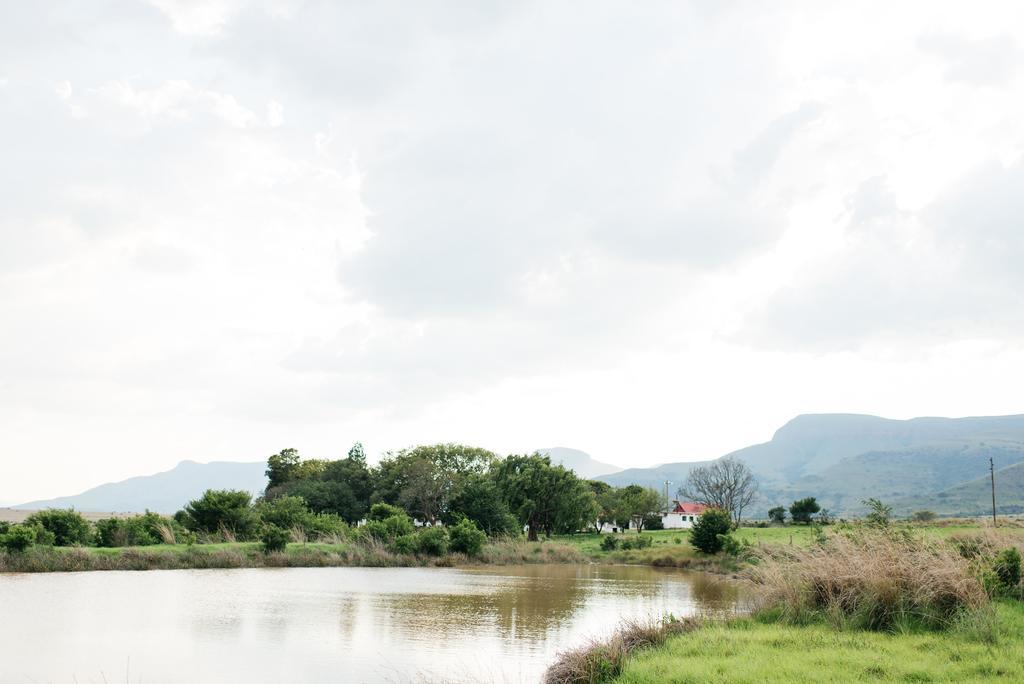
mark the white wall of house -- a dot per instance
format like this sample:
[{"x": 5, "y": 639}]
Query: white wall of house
[{"x": 678, "y": 521}]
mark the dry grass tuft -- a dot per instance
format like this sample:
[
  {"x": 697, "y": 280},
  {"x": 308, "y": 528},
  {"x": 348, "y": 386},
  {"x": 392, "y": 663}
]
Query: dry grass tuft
[
  {"x": 600, "y": 661},
  {"x": 872, "y": 579}
]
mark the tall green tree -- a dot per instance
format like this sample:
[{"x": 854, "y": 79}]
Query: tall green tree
[
  {"x": 637, "y": 503},
  {"x": 424, "y": 480},
  {"x": 544, "y": 497},
  {"x": 281, "y": 467}
]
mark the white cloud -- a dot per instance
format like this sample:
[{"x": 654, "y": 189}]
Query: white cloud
[{"x": 652, "y": 235}]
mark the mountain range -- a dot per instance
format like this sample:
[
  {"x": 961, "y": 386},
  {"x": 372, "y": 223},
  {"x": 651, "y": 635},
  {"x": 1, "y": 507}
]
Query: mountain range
[{"x": 939, "y": 464}]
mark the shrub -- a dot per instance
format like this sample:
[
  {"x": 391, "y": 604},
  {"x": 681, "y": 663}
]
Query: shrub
[
  {"x": 777, "y": 515},
  {"x": 388, "y": 529},
  {"x": 383, "y": 511},
  {"x": 122, "y": 532},
  {"x": 432, "y": 541},
  {"x": 466, "y": 538},
  {"x": 878, "y": 513},
  {"x": 609, "y": 543},
  {"x": 18, "y": 538},
  {"x": 327, "y": 525},
  {"x": 1007, "y": 568},
  {"x": 274, "y": 538},
  {"x": 707, "y": 532},
  {"x": 405, "y": 543},
  {"x": 924, "y": 516},
  {"x": 653, "y": 522},
  {"x": 285, "y": 512},
  {"x": 222, "y": 510},
  {"x": 68, "y": 527}
]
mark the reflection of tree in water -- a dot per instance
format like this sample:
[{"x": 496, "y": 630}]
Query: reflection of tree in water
[{"x": 531, "y": 601}]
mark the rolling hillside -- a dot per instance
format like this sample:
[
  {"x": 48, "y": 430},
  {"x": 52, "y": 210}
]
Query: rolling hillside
[
  {"x": 164, "y": 492},
  {"x": 844, "y": 458}
]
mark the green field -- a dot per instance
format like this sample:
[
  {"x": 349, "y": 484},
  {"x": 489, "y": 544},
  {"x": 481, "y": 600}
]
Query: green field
[{"x": 746, "y": 650}]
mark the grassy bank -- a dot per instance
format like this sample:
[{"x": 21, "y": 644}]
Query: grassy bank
[
  {"x": 861, "y": 603},
  {"x": 749, "y": 650},
  {"x": 251, "y": 555}
]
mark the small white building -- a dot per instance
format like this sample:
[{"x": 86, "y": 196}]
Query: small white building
[{"x": 682, "y": 516}]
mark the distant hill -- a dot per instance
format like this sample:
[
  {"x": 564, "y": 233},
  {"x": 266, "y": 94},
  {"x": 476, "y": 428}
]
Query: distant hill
[
  {"x": 164, "y": 492},
  {"x": 653, "y": 477},
  {"x": 579, "y": 461},
  {"x": 842, "y": 459},
  {"x": 974, "y": 497}
]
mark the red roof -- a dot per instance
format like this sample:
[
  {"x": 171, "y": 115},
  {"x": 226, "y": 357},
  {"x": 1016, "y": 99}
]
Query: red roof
[{"x": 689, "y": 508}]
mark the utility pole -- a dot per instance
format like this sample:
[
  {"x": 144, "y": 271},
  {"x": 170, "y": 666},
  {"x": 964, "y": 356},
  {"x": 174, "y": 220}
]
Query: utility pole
[{"x": 992, "y": 476}]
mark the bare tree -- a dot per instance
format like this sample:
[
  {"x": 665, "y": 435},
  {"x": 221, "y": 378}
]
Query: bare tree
[{"x": 727, "y": 484}]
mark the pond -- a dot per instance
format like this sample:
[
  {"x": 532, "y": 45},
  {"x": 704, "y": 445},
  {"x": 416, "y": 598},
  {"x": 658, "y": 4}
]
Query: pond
[{"x": 501, "y": 624}]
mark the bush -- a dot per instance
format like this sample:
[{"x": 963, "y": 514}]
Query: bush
[
  {"x": 222, "y": 509},
  {"x": 68, "y": 527},
  {"x": 878, "y": 513},
  {"x": 383, "y": 511},
  {"x": 327, "y": 525},
  {"x": 432, "y": 541},
  {"x": 609, "y": 543},
  {"x": 653, "y": 522},
  {"x": 466, "y": 538},
  {"x": 18, "y": 538},
  {"x": 274, "y": 538},
  {"x": 388, "y": 529},
  {"x": 285, "y": 512},
  {"x": 122, "y": 532},
  {"x": 924, "y": 516},
  {"x": 406, "y": 543},
  {"x": 1007, "y": 569},
  {"x": 709, "y": 529}
]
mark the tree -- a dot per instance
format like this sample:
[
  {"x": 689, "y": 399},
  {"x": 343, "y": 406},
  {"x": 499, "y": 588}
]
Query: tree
[
  {"x": 607, "y": 499},
  {"x": 924, "y": 516},
  {"x": 542, "y": 496},
  {"x": 638, "y": 502},
  {"x": 220, "y": 509},
  {"x": 801, "y": 510},
  {"x": 480, "y": 502},
  {"x": 281, "y": 467},
  {"x": 878, "y": 513},
  {"x": 425, "y": 479},
  {"x": 708, "y": 532},
  {"x": 777, "y": 515},
  {"x": 727, "y": 484}
]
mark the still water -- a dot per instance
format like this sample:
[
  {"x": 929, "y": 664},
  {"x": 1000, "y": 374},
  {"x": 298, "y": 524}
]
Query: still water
[{"x": 501, "y": 624}]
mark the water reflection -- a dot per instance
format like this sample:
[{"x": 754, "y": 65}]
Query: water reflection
[{"x": 330, "y": 624}]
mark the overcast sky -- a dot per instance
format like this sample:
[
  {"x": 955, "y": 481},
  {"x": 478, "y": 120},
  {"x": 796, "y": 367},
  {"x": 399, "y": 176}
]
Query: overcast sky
[{"x": 654, "y": 231}]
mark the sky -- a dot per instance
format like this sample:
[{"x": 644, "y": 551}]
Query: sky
[{"x": 654, "y": 232}]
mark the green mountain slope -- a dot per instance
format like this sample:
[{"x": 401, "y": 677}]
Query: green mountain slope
[
  {"x": 842, "y": 459},
  {"x": 974, "y": 497}
]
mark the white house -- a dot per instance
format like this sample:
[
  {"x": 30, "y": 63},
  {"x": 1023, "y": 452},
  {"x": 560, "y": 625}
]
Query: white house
[{"x": 682, "y": 516}]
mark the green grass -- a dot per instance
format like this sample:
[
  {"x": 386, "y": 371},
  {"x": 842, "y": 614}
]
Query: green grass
[
  {"x": 746, "y": 650},
  {"x": 665, "y": 545}
]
